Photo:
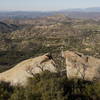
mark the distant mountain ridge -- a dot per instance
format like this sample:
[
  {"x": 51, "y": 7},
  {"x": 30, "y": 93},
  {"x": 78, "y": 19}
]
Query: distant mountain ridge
[
  {"x": 36, "y": 14},
  {"x": 93, "y": 12},
  {"x": 92, "y": 9}
]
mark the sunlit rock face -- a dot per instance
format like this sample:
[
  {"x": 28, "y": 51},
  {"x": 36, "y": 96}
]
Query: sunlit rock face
[
  {"x": 28, "y": 68},
  {"x": 81, "y": 66}
]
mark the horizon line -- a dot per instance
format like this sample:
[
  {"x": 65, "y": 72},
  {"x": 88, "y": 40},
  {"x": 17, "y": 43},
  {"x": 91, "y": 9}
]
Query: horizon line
[{"x": 46, "y": 10}]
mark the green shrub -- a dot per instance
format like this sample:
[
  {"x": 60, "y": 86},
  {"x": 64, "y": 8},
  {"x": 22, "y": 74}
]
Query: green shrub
[
  {"x": 51, "y": 86},
  {"x": 5, "y": 91}
]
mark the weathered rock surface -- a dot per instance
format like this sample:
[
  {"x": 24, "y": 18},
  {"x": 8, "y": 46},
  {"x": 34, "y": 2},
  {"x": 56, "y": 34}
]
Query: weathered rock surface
[
  {"x": 82, "y": 66},
  {"x": 28, "y": 68}
]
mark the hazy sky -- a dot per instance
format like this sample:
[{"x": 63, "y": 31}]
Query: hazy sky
[{"x": 45, "y": 5}]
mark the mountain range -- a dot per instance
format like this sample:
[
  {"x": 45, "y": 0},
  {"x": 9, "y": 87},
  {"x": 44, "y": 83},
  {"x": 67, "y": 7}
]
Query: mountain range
[
  {"x": 92, "y": 9},
  {"x": 93, "y": 13}
]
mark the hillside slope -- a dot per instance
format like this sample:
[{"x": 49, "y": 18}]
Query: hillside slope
[
  {"x": 6, "y": 28},
  {"x": 50, "y": 34}
]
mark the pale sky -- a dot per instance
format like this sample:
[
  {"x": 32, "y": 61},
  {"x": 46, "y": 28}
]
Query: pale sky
[{"x": 45, "y": 5}]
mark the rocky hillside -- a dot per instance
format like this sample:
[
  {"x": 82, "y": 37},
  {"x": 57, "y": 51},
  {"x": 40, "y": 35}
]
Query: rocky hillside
[
  {"x": 50, "y": 34},
  {"x": 82, "y": 66},
  {"x": 27, "y": 69}
]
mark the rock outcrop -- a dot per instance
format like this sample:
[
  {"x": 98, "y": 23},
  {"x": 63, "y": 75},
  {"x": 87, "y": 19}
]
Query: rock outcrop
[
  {"x": 28, "y": 68},
  {"x": 81, "y": 66}
]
